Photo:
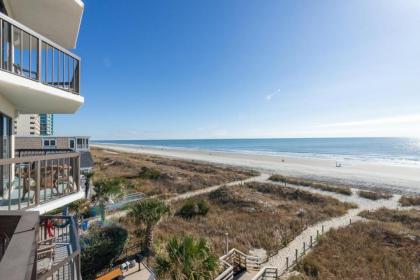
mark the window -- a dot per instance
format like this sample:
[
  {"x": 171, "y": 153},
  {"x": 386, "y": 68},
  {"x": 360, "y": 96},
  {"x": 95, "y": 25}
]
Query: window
[
  {"x": 71, "y": 144},
  {"x": 49, "y": 143}
]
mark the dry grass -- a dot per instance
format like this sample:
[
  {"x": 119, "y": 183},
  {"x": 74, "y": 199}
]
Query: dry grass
[
  {"x": 407, "y": 220},
  {"x": 388, "y": 247},
  {"x": 166, "y": 177},
  {"x": 363, "y": 251},
  {"x": 255, "y": 215},
  {"x": 413, "y": 200},
  {"x": 374, "y": 195},
  {"x": 311, "y": 183}
]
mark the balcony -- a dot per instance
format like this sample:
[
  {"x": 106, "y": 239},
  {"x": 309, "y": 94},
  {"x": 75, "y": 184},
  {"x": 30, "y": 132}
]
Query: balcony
[
  {"x": 38, "y": 76},
  {"x": 45, "y": 247},
  {"x": 41, "y": 183}
]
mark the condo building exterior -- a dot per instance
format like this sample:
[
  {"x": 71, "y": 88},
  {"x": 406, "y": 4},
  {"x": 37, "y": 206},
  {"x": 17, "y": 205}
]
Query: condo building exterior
[
  {"x": 46, "y": 122},
  {"x": 27, "y": 124},
  {"x": 34, "y": 124},
  {"x": 38, "y": 75}
]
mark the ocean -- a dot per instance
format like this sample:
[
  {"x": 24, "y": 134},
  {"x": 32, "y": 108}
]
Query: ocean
[{"x": 395, "y": 151}]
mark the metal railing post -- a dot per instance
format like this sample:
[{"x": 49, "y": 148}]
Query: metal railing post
[
  {"x": 11, "y": 49},
  {"x": 39, "y": 60},
  {"x": 10, "y": 188},
  {"x": 38, "y": 182},
  {"x": 1, "y": 43},
  {"x": 78, "y": 172}
]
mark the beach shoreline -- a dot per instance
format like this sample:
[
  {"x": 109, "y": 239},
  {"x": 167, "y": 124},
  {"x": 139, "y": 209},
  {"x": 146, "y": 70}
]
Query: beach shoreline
[{"x": 359, "y": 174}]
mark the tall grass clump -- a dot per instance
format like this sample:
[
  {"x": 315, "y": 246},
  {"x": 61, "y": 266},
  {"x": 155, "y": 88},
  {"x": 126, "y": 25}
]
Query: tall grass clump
[
  {"x": 374, "y": 195},
  {"x": 410, "y": 200},
  {"x": 310, "y": 183},
  {"x": 407, "y": 218},
  {"x": 194, "y": 207},
  {"x": 363, "y": 251},
  {"x": 149, "y": 173}
]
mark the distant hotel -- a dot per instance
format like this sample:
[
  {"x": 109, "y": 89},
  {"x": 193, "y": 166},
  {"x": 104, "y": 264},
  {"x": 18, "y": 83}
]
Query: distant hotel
[{"x": 34, "y": 125}]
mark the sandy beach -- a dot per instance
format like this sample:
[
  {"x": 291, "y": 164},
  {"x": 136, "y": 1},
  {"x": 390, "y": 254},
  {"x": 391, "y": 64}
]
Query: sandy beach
[{"x": 398, "y": 179}]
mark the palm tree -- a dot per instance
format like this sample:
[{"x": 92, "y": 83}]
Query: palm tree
[
  {"x": 79, "y": 206},
  {"x": 104, "y": 189},
  {"x": 88, "y": 177},
  {"x": 187, "y": 258},
  {"x": 148, "y": 212}
]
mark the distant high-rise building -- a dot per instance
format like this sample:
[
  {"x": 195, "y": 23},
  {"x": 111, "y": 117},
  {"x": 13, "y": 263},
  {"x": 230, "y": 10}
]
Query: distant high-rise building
[
  {"x": 27, "y": 124},
  {"x": 46, "y": 124}
]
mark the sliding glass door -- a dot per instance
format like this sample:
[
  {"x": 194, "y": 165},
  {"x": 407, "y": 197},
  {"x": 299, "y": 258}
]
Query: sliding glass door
[{"x": 5, "y": 150}]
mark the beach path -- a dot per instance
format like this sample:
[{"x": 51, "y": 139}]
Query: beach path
[
  {"x": 286, "y": 256},
  {"x": 259, "y": 178}
]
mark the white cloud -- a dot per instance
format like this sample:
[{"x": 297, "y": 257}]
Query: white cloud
[{"x": 270, "y": 96}]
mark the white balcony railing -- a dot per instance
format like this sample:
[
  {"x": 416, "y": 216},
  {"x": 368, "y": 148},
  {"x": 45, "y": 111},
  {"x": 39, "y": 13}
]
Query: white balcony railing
[
  {"x": 27, "y": 182},
  {"x": 26, "y": 53}
]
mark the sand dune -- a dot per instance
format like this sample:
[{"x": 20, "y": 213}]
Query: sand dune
[{"x": 400, "y": 179}]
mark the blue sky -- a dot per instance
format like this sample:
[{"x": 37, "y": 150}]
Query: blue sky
[{"x": 248, "y": 68}]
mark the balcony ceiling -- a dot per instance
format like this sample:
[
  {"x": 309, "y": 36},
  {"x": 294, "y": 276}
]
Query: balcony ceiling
[
  {"x": 32, "y": 97},
  {"x": 57, "y": 20}
]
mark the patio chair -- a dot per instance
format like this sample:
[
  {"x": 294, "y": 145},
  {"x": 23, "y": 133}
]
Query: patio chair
[
  {"x": 46, "y": 254},
  {"x": 46, "y": 257}
]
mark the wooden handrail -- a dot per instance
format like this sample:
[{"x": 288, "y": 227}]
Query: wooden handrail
[
  {"x": 267, "y": 273},
  {"x": 235, "y": 258}
]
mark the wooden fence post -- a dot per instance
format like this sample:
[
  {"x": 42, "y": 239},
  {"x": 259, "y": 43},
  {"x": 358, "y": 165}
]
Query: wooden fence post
[
  {"x": 311, "y": 241},
  {"x": 322, "y": 229},
  {"x": 287, "y": 263},
  {"x": 304, "y": 247},
  {"x": 296, "y": 255}
]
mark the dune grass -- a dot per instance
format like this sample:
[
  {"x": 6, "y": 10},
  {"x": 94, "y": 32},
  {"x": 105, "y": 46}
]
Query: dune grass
[
  {"x": 161, "y": 176},
  {"x": 413, "y": 200},
  {"x": 256, "y": 215},
  {"x": 374, "y": 195},
  {"x": 407, "y": 220},
  {"x": 311, "y": 183},
  {"x": 362, "y": 251}
]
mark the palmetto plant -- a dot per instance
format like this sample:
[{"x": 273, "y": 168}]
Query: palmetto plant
[
  {"x": 104, "y": 190},
  {"x": 79, "y": 206},
  {"x": 186, "y": 259},
  {"x": 147, "y": 213}
]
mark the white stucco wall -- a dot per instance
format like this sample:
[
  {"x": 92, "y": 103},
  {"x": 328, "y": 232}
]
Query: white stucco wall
[{"x": 6, "y": 107}]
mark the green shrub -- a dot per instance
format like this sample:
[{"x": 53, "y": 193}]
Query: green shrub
[
  {"x": 193, "y": 208},
  {"x": 100, "y": 248},
  {"x": 149, "y": 173}
]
